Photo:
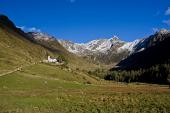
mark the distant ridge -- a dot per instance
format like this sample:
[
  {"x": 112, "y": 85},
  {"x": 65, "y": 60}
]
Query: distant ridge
[{"x": 156, "y": 52}]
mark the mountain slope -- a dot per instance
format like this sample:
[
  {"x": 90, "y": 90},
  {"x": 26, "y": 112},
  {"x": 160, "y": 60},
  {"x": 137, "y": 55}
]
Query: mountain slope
[
  {"x": 150, "y": 65},
  {"x": 113, "y": 50},
  {"x": 99, "y": 51},
  {"x": 155, "y": 52},
  {"x": 92, "y": 47},
  {"x": 51, "y": 43},
  {"x": 150, "y": 62},
  {"x": 19, "y": 48},
  {"x": 106, "y": 51},
  {"x": 16, "y": 48}
]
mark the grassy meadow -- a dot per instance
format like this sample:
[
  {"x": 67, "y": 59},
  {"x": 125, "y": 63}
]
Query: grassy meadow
[{"x": 43, "y": 88}]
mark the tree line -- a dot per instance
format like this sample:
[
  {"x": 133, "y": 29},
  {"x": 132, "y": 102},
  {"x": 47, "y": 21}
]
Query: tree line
[{"x": 159, "y": 73}]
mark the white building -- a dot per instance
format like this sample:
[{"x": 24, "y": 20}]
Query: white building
[{"x": 51, "y": 59}]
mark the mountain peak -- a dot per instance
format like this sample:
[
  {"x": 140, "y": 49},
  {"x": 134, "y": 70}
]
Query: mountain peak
[
  {"x": 40, "y": 36},
  {"x": 163, "y": 31},
  {"x": 115, "y": 38},
  {"x": 4, "y": 20},
  {"x": 95, "y": 46}
]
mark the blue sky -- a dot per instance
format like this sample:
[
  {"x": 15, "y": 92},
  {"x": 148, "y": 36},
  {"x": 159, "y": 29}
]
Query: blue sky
[{"x": 85, "y": 20}]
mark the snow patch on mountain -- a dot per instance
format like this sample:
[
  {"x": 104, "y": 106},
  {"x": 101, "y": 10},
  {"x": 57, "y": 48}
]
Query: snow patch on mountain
[
  {"x": 130, "y": 46},
  {"x": 102, "y": 45},
  {"x": 40, "y": 36},
  {"x": 164, "y": 31},
  {"x": 94, "y": 46}
]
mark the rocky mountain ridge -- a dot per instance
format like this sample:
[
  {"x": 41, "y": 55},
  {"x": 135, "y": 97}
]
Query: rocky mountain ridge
[
  {"x": 104, "y": 45},
  {"x": 105, "y": 50}
]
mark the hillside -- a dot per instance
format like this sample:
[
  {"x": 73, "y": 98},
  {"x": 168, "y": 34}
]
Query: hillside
[
  {"x": 52, "y": 44},
  {"x": 151, "y": 65},
  {"x": 19, "y": 48},
  {"x": 16, "y": 49},
  {"x": 112, "y": 50},
  {"x": 43, "y": 88},
  {"x": 100, "y": 51},
  {"x": 30, "y": 86},
  {"x": 156, "y": 52}
]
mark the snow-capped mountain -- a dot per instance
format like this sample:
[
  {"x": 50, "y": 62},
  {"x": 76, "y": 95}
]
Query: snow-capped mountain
[
  {"x": 94, "y": 46},
  {"x": 105, "y": 50},
  {"x": 101, "y": 46},
  {"x": 154, "y": 52},
  {"x": 151, "y": 40},
  {"x": 112, "y": 49},
  {"x": 130, "y": 46},
  {"x": 40, "y": 36}
]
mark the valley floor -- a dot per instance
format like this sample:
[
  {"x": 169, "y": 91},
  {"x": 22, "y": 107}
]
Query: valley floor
[{"x": 43, "y": 88}]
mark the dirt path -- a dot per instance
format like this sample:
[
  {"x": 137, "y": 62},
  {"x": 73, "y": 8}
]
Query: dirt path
[
  {"x": 6, "y": 73},
  {"x": 15, "y": 70}
]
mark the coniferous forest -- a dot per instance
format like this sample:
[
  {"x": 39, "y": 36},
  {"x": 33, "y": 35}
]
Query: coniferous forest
[{"x": 159, "y": 73}]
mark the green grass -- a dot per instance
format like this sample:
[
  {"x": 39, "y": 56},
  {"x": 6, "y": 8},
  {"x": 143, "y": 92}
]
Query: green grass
[
  {"x": 16, "y": 51},
  {"x": 76, "y": 103},
  {"x": 36, "y": 90},
  {"x": 56, "y": 72},
  {"x": 45, "y": 88}
]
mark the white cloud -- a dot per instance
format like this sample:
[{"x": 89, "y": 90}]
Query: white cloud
[
  {"x": 167, "y": 12},
  {"x": 33, "y": 29},
  {"x": 21, "y": 27},
  {"x": 29, "y": 29},
  {"x": 166, "y": 22}
]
